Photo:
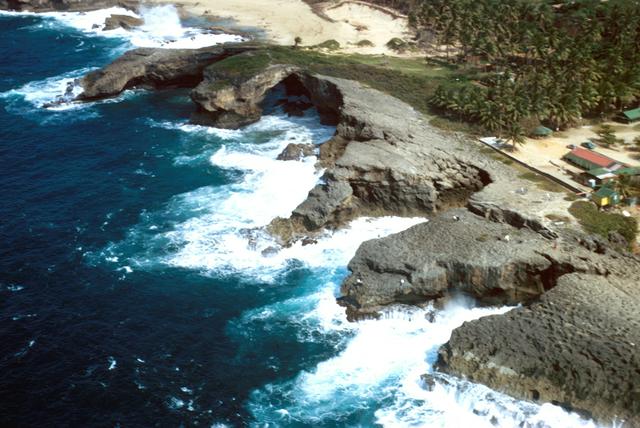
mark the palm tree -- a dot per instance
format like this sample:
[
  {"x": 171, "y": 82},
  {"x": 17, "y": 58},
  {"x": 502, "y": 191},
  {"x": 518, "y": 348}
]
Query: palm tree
[
  {"x": 623, "y": 185},
  {"x": 515, "y": 134}
]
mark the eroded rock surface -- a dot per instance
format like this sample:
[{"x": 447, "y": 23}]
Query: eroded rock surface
[
  {"x": 295, "y": 152},
  {"x": 456, "y": 251},
  {"x": 150, "y": 67},
  {"x": 236, "y": 102},
  {"x": 121, "y": 21},
  {"x": 577, "y": 347}
]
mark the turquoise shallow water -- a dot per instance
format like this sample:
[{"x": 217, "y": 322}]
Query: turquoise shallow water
[{"x": 133, "y": 294}]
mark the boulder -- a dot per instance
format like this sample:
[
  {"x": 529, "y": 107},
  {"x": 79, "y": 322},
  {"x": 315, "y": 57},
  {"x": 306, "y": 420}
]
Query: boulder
[
  {"x": 296, "y": 152},
  {"x": 121, "y": 21},
  {"x": 577, "y": 347}
]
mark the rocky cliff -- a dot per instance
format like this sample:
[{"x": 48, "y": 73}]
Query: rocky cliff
[
  {"x": 235, "y": 102},
  {"x": 154, "y": 68},
  {"x": 576, "y": 347},
  {"x": 488, "y": 234}
]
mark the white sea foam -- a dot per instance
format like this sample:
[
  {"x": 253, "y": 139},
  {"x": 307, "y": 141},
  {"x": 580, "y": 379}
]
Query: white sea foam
[
  {"x": 161, "y": 29},
  {"x": 52, "y": 95},
  {"x": 378, "y": 363},
  {"x": 41, "y": 92},
  {"x": 112, "y": 363},
  {"x": 220, "y": 234},
  {"x": 219, "y": 231},
  {"x": 380, "y": 366}
]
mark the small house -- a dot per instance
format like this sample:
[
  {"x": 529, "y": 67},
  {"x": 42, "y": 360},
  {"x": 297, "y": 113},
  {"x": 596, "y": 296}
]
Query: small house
[
  {"x": 541, "y": 132},
  {"x": 598, "y": 176},
  {"x": 629, "y": 116},
  {"x": 589, "y": 160},
  {"x": 605, "y": 196}
]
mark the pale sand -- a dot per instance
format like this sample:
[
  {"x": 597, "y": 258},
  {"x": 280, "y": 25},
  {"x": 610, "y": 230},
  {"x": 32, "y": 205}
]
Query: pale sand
[
  {"x": 546, "y": 154},
  {"x": 284, "y": 20},
  {"x": 540, "y": 152}
]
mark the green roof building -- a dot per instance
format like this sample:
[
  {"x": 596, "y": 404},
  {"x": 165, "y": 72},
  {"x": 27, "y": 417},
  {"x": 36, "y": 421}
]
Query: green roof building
[
  {"x": 629, "y": 116},
  {"x": 541, "y": 131},
  {"x": 598, "y": 176},
  {"x": 605, "y": 196}
]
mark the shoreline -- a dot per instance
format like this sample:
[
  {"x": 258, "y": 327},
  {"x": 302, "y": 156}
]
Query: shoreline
[
  {"x": 365, "y": 134},
  {"x": 282, "y": 21},
  {"x": 390, "y": 162}
]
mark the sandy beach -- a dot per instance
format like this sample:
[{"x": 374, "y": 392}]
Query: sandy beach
[{"x": 284, "y": 20}]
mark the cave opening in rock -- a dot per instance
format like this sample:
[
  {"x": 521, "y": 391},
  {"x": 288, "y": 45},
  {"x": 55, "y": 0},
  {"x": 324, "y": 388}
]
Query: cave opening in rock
[{"x": 290, "y": 95}]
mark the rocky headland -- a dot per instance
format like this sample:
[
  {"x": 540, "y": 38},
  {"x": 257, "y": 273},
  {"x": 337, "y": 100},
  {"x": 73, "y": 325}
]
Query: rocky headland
[{"x": 574, "y": 339}]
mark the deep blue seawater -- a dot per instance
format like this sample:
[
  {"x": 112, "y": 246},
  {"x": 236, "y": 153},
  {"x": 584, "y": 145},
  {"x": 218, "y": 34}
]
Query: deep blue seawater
[
  {"x": 134, "y": 293},
  {"x": 73, "y": 182}
]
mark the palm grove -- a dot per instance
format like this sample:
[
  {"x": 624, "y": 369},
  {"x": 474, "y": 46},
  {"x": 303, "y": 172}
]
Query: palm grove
[{"x": 532, "y": 61}]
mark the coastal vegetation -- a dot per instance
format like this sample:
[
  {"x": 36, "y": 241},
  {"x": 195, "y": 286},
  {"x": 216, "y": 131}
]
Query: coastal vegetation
[
  {"x": 532, "y": 61},
  {"x": 603, "y": 223},
  {"x": 608, "y": 136},
  {"x": 412, "y": 80}
]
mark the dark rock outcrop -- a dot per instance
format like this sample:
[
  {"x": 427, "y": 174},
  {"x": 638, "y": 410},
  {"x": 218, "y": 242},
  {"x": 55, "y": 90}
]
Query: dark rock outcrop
[
  {"x": 65, "y": 5},
  {"x": 148, "y": 67},
  {"x": 576, "y": 347},
  {"x": 236, "y": 101},
  {"x": 121, "y": 21},
  {"x": 296, "y": 152},
  {"x": 456, "y": 251},
  {"x": 231, "y": 98}
]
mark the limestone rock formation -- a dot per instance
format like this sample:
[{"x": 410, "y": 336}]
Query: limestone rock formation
[
  {"x": 151, "y": 67},
  {"x": 121, "y": 21},
  {"x": 456, "y": 251},
  {"x": 234, "y": 103},
  {"x": 296, "y": 152},
  {"x": 230, "y": 98},
  {"x": 576, "y": 347},
  {"x": 575, "y": 344}
]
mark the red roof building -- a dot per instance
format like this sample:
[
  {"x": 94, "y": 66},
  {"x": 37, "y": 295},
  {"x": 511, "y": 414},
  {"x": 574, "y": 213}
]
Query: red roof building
[{"x": 588, "y": 159}]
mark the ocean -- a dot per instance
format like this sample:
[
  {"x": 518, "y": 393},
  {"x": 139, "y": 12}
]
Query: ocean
[{"x": 131, "y": 294}]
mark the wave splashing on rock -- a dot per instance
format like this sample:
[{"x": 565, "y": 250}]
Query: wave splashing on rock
[
  {"x": 162, "y": 27},
  {"x": 380, "y": 365}
]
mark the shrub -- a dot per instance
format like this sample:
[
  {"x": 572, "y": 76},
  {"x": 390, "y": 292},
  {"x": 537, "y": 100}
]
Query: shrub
[
  {"x": 331, "y": 45},
  {"x": 365, "y": 44},
  {"x": 602, "y": 223},
  {"x": 397, "y": 44},
  {"x": 608, "y": 136}
]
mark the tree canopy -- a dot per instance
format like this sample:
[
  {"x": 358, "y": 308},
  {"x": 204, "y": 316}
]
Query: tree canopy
[{"x": 537, "y": 61}]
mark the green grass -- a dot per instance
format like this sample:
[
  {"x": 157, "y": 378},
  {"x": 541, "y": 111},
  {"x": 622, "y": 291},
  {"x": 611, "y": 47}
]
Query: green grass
[
  {"x": 447, "y": 124},
  {"x": 601, "y": 223},
  {"x": 543, "y": 182},
  {"x": 411, "y": 80}
]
